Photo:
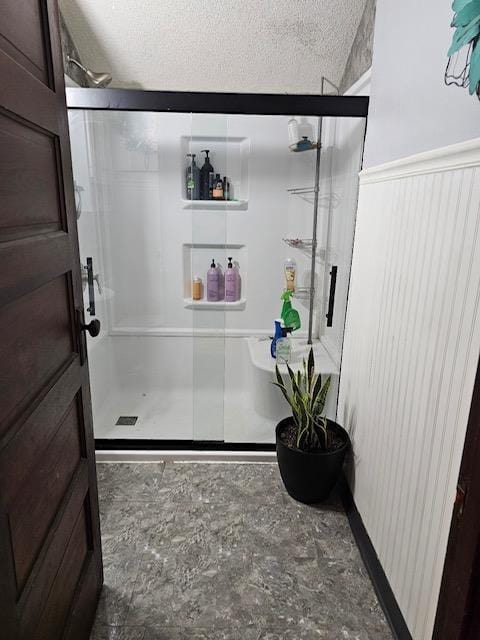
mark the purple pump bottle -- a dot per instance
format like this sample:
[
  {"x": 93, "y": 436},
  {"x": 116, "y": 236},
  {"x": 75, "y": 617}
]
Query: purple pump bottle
[
  {"x": 231, "y": 283},
  {"x": 213, "y": 283}
]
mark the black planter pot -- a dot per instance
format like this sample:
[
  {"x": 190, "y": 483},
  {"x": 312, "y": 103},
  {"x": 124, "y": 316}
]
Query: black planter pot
[{"x": 310, "y": 477}]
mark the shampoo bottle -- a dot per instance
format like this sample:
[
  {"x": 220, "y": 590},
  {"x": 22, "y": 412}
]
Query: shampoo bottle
[
  {"x": 205, "y": 172},
  {"x": 196, "y": 288},
  {"x": 290, "y": 274},
  {"x": 192, "y": 178},
  {"x": 213, "y": 283},
  {"x": 231, "y": 283},
  {"x": 217, "y": 193}
]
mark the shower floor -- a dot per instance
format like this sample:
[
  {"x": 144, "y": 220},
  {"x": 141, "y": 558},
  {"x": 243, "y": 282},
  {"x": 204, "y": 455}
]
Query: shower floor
[
  {"x": 177, "y": 415},
  {"x": 221, "y": 552}
]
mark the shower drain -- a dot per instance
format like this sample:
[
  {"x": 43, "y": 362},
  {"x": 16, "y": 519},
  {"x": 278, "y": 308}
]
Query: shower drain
[{"x": 126, "y": 421}]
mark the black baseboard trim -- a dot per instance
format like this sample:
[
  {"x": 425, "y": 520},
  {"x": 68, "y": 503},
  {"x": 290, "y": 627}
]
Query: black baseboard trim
[
  {"x": 375, "y": 570},
  {"x": 132, "y": 444}
]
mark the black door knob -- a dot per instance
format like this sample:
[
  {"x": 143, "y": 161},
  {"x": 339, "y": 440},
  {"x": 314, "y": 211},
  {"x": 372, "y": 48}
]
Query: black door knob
[{"x": 93, "y": 327}]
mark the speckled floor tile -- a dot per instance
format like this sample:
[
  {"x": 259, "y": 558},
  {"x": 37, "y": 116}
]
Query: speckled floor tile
[
  {"x": 347, "y": 593},
  {"x": 106, "y": 632},
  {"x": 135, "y": 527},
  {"x": 198, "y": 482},
  {"x": 329, "y": 529},
  {"x": 120, "y": 575},
  {"x": 206, "y": 528},
  {"x": 129, "y": 481},
  {"x": 332, "y": 503},
  {"x": 266, "y": 592},
  {"x": 175, "y": 590},
  {"x": 314, "y": 632},
  {"x": 201, "y": 634},
  {"x": 221, "y": 552},
  {"x": 246, "y": 528}
]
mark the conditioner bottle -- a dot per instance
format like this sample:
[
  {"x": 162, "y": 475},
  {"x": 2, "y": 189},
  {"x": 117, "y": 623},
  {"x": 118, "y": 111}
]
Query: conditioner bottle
[
  {"x": 231, "y": 283},
  {"x": 213, "y": 283}
]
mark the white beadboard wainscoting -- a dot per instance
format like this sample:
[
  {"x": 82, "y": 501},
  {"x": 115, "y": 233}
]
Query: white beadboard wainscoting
[{"x": 410, "y": 355}]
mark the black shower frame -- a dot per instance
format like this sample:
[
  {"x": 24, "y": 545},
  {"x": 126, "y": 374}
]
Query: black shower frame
[{"x": 268, "y": 104}]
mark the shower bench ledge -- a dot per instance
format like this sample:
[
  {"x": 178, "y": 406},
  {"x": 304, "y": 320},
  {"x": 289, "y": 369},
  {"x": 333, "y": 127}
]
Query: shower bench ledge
[{"x": 259, "y": 350}]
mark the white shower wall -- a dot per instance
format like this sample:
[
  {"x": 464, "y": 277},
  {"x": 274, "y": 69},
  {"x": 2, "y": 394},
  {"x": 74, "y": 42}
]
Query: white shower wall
[{"x": 186, "y": 372}]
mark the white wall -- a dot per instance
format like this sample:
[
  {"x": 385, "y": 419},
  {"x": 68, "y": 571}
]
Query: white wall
[
  {"x": 411, "y": 350},
  {"x": 411, "y": 108}
]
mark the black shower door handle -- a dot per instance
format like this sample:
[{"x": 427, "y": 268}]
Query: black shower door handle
[
  {"x": 331, "y": 296},
  {"x": 91, "y": 290}
]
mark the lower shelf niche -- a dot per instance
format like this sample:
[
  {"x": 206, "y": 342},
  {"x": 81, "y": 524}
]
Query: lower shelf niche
[
  {"x": 197, "y": 258},
  {"x": 221, "y": 305}
]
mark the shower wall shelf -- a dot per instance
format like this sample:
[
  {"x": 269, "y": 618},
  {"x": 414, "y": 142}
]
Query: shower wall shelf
[
  {"x": 238, "y": 305},
  {"x": 312, "y": 147},
  {"x": 301, "y": 190},
  {"x": 303, "y": 293},
  {"x": 197, "y": 257},
  {"x": 215, "y": 205},
  {"x": 229, "y": 156},
  {"x": 299, "y": 243}
]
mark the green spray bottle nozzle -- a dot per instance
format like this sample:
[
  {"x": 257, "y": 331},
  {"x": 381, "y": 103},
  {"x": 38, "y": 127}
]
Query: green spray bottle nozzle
[{"x": 289, "y": 315}]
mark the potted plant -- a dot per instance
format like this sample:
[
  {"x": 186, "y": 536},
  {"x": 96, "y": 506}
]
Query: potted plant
[{"x": 310, "y": 448}]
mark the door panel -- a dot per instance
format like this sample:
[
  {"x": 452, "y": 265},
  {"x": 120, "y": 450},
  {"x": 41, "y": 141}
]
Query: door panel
[
  {"x": 28, "y": 178},
  {"x": 24, "y": 36},
  {"x": 50, "y": 556},
  {"x": 35, "y": 335},
  {"x": 30, "y": 519}
]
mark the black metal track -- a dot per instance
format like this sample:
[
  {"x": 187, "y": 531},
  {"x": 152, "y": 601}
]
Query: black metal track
[
  {"x": 131, "y": 444},
  {"x": 227, "y": 103}
]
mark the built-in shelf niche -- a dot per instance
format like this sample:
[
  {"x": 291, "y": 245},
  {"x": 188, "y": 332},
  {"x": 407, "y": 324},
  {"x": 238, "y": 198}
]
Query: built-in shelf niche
[
  {"x": 229, "y": 157},
  {"x": 196, "y": 262}
]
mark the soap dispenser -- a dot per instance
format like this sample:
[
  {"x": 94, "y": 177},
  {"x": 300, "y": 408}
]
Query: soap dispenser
[
  {"x": 192, "y": 178},
  {"x": 231, "y": 283},
  {"x": 213, "y": 283},
  {"x": 205, "y": 172}
]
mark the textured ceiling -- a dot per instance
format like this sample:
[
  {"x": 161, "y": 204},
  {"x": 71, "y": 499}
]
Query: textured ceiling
[{"x": 281, "y": 46}]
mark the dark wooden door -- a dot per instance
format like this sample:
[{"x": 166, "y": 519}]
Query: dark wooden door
[
  {"x": 50, "y": 556},
  {"x": 458, "y": 611}
]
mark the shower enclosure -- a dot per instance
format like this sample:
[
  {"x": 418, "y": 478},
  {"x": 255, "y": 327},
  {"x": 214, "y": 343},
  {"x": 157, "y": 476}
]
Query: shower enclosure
[{"x": 166, "y": 367}]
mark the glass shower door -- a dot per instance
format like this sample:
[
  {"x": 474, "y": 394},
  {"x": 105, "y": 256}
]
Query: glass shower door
[
  {"x": 129, "y": 171},
  {"x": 207, "y": 259}
]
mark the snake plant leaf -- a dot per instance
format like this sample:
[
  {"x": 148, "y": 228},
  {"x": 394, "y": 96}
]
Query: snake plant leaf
[
  {"x": 316, "y": 390},
  {"x": 310, "y": 368},
  {"x": 283, "y": 390},
  {"x": 319, "y": 405},
  {"x": 463, "y": 35},
  {"x": 475, "y": 67},
  {"x": 299, "y": 380},
  {"x": 297, "y": 394},
  {"x": 458, "y": 5},
  {"x": 279, "y": 375},
  {"x": 467, "y": 15}
]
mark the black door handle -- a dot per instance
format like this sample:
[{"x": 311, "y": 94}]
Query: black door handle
[
  {"x": 331, "y": 296},
  {"x": 93, "y": 327}
]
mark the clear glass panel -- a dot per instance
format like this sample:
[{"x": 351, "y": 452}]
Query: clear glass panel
[
  {"x": 132, "y": 223},
  {"x": 208, "y": 261},
  {"x": 342, "y": 151},
  {"x": 185, "y": 366}
]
